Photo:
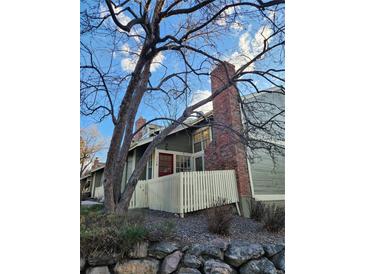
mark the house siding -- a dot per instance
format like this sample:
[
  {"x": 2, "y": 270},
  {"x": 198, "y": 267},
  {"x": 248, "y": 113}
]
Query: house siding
[
  {"x": 181, "y": 141},
  {"x": 267, "y": 178}
]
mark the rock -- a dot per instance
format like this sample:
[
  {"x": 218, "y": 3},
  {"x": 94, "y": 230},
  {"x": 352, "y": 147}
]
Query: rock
[
  {"x": 279, "y": 260},
  {"x": 102, "y": 260},
  {"x": 187, "y": 270},
  {"x": 191, "y": 261},
  {"x": 261, "y": 266},
  {"x": 171, "y": 262},
  {"x": 82, "y": 263},
  {"x": 240, "y": 252},
  {"x": 272, "y": 249},
  {"x": 146, "y": 266},
  {"x": 207, "y": 251},
  {"x": 222, "y": 244},
  {"x": 214, "y": 266},
  {"x": 138, "y": 251},
  {"x": 98, "y": 270},
  {"x": 162, "y": 249},
  {"x": 185, "y": 248},
  {"x": 280, "y": 272}
]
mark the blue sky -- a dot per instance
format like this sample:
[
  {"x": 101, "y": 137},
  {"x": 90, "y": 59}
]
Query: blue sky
[{"x": 240, "y": 41}]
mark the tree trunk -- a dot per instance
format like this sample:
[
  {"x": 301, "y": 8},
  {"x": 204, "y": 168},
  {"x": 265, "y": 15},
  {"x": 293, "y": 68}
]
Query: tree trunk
[
  {"x": 122, "y": 157},
  {"x": 111, "y": 177}
]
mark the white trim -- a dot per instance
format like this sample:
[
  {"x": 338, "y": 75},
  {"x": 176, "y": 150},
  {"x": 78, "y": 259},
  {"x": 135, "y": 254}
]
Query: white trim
[
  {"x": 134, "y": 160},
  {"x": 174, "y": 153},
  {"x": 250, "y": 177},
  {"x": 273, "y": 197}
]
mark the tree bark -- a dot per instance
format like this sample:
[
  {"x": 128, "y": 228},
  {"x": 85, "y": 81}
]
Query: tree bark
[
  {"x": 123, "y": 154},
  {"x": 109, "y": 171}
]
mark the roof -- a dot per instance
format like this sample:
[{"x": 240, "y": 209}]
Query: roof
[
  {"x": 92, "y": 171},
  {"x": 177, "y": 129}
]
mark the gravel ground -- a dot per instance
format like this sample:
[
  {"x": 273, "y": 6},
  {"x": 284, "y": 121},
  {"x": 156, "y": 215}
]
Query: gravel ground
[{"x": 193, "y": 228}]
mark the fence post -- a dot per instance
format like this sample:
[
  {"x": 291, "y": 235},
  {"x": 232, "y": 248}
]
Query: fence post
[{"x": 181, "y": 195}]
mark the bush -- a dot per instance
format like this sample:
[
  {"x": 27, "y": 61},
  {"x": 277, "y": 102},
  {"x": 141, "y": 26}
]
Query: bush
[
  {"x": 257, "y": 210},
  {"x": 219, "y": 217},
  {"x": 106, "y": 235},
  {"x": 274, "y": 218}
]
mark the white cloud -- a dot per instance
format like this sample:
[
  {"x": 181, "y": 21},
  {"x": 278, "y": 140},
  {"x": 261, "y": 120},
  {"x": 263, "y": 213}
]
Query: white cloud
[
  {"x": 201, "y": 95},
  {"x": 249, "y": 47},
  {"x": 222, "y": 21},
  {"x": 130, "y": 59}
]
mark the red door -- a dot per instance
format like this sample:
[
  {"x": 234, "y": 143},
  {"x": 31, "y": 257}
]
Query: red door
[{"x": 165, "y": 164}]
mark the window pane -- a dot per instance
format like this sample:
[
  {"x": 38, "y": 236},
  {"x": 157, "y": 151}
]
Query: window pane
[
  {"x": 197, "y": 147},
  {"x": 199, "y": 164}
]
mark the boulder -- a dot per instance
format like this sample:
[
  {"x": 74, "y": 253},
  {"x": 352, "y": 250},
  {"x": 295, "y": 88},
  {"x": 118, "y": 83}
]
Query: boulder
[
  {"x": 138, "y": 251},
  {"x": 188, "y": 270},
  {"x": 146, "y": 266},
  {"x": 98, "y": 270},
  {"x": 171, "y": 262},
  {"x": 213, "y": 266},
  {"x": 82, "y": 263},
  {"x": 279, "y": 260},
  {"x": 191, "y": 261},
  {"x": 207, "y": 251},
  {"x": 222, "y": 244},
  {"x": 261, "y": 266},
  {"x": 272, "y": 249},
  {"x": 101, "y": 260},
  {"x": 162, "y": 249},
  {"x": 238, "y": 253}
]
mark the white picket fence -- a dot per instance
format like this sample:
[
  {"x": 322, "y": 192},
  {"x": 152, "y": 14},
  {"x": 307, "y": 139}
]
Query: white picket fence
[
  {"x": 191, "y": 191},
  {"x": 184, "y": 192},
  {"x": 139, "y": 198}
]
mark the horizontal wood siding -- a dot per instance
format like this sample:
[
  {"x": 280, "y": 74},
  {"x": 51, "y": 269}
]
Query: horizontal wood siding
[{"x": 268, "y": 179}]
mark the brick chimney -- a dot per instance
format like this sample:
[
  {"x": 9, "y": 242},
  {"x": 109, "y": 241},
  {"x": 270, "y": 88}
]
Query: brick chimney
[
  {"x": 96, "y": 163},
  {"x": 226, "y": 151},
  {"x": 140, "y": 122}
]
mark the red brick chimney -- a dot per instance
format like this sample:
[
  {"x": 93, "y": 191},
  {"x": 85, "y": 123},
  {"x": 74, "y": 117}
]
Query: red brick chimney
[
  {"x": 140, "y": 122},
  {"x": 96, "y": 163},
  {"x": 226, "y": 151}
]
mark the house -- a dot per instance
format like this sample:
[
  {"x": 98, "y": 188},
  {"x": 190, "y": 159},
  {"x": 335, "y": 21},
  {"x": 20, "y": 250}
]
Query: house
[
  {"x": 201, "y": 146},
  {"x": 92, "y": 179}
]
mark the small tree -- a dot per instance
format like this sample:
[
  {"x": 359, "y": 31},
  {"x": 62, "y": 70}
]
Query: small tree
[{"x": 91, "y": 142}]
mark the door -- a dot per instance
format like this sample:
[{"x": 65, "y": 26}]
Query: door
[{"x": 165, "y": 164}]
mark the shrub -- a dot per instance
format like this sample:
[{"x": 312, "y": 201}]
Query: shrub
[
  {"x": 274, "y": 218},
  {"x": 257, "y": 210},
  {"x": 219, "y": 217},
  {"x": 106, "y": 235}
]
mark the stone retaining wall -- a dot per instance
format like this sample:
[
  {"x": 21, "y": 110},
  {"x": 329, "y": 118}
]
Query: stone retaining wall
[{"x": 213, "y": 257}]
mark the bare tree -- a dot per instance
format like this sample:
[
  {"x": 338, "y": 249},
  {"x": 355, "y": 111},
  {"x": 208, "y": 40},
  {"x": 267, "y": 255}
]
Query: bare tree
[
  {"x": 91, "y": 142},
  {"x": 189, "y": 34}
]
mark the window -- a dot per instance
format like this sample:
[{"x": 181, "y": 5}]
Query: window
[
  {"x": 149, "y": 168},
  {"x": 201, "y": 139},
  {"x": 182, "y": 163},
  {"x": 199, "y": 164}
]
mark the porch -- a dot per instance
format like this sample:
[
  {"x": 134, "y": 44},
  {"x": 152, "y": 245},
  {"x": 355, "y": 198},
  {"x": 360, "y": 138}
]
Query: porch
[{"x": 185, "y": 192}]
